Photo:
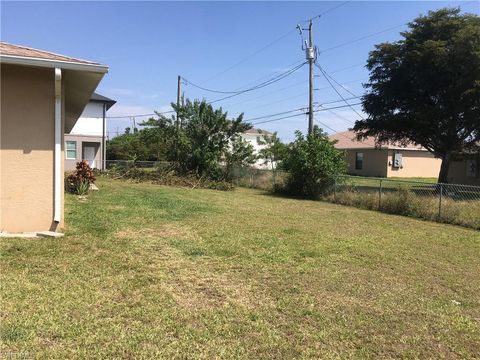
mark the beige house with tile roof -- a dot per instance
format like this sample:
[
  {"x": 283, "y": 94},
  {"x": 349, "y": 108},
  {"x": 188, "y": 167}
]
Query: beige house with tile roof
[
  {"x": 42, "y": 96},
  {"x": 390, "y": 160}
]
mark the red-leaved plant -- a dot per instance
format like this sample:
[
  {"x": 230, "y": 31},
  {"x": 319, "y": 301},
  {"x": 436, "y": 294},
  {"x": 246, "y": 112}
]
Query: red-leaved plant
[{"x": 79, "y": 182}]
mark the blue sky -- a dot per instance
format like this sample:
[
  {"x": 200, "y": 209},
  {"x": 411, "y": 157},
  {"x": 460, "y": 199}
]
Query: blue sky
[{"x": 147, "y": 44}]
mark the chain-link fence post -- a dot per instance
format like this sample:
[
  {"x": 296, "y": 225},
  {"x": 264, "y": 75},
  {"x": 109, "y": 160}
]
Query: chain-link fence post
[
  {"x": 440, "y": 202},
  {"x": 274, "y": 174},
  {"x": 335, "y": 189},
  {"x": 380, "y": 195}
]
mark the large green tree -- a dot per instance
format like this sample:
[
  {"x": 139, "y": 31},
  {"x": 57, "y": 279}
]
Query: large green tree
[
  {"x": 425, "y": 88},
  {"x": 208, "y": 142}
]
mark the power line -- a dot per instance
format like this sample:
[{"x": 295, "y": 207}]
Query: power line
[
  {"x": 273, "y": 115},
  {"x": 259, "y": 86},
  {"x": 250, "y": 56},
  {"x": 270, "y": 44},
  {"x": 362, "y": 38},
  {"x": 336, "y": 107},
  {"x": 335, "y": 89},
  {"x": 138, "y": 115},
  {"x": 341, "y": 117},
  {"x": 281, "y": 118},
  {"x": 275, "y": 72},
  {"x": 264, "y": 84},
  {"x": 347, "y": 68},
  {"x": 343, "y": 87},
  {"x": 291, "y": 116},
  {"x": 335, "y": 7}
]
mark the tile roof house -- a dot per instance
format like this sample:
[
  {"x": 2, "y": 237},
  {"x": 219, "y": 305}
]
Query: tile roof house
[
  {"x": 364, "y": 158},
  {"x": 42, "y": 96}
]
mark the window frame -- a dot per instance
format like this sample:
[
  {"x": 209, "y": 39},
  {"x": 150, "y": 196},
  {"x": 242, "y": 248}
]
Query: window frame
[
  {"x": 359, "y": 162},
  {"x": 67, "y": 149}
]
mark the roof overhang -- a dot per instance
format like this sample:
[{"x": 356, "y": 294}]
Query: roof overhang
[
  {"x": 80, "y": 81},
  {"x": 79, "y": 87},
  {"x": 66, "y": 65}
]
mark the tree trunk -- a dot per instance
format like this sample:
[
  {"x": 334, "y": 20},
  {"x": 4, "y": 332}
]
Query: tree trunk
[{"x": 443, "y": 175}]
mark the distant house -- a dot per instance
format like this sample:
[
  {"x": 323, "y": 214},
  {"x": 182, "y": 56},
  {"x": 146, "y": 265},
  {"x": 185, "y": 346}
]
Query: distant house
[
  {"x": 464, "y": 169},
  {"x": 42, "y": 96},
  {"x": 255, "y": 137},
  {"x": 86, "y": 140},
  {"x": 364, "y": 159}
]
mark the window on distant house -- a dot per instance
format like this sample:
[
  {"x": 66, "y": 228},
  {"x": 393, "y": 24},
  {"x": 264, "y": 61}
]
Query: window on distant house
[
  {"x": 71, "y": 149},
  {"x": 358, "y": 161}
]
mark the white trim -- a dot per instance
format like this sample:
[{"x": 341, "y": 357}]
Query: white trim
[
  {"x": 58, "y": 146},
  {"x": 66, "y": 149},
  {"x": 67, "y": 65}
]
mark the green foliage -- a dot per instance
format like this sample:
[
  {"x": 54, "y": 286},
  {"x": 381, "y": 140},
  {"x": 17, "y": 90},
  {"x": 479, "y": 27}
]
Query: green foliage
[
  {"x": 82, "y": 187},
  {"x": 205, "y": 143},
  {"x": 312, "y": 163},
  {"x": 425, "y": 88},
  {"x": 79, "y": 182},
  {"x": 240, "y": 155},
  {"x": 127, "y": 146},
  {"x": 207, "y": 139},
  {"x": 273, "y": 151}
]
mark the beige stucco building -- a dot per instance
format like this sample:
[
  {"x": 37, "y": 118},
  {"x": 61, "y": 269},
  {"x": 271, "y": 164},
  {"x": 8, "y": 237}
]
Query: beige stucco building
[
  {"x": 42, "y": 96},
  {"x": 365, "y": 159},
  {"x": 465, "y": 169}
]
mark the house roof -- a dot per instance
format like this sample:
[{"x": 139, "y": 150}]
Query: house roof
[
  {"x": 24, "y": 55},
  {"x": 256, "y": 131},
  {"x": 103, "y": 99},
  {"x": 80, "y": 77},
  {"x": 347, "y": 140}
]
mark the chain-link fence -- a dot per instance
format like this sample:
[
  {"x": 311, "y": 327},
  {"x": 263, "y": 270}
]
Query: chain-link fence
[
  {"x": 451, "y": 203},
  {"x": 258, "y": 178},
  {"x": 129, "y": 164}
]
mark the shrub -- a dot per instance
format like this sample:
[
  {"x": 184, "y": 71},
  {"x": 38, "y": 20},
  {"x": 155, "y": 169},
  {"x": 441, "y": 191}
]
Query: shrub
[
  {"x": 82, "y": 188},
  {"x": 168, "y": 176},
  {"x": 80, "y": 179},
  {"x": 312, "y": 163}
]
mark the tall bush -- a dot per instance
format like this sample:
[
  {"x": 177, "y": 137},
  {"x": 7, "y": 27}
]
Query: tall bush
[
  {"x": 208, "y": 140},
  {"x": 312, "y": 163}
]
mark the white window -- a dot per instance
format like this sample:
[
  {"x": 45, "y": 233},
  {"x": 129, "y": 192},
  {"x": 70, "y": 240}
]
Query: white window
[{"x": 71, "y": 149}]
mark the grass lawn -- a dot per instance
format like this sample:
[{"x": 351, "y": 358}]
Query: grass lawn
[{"x": 147, "y": 271}]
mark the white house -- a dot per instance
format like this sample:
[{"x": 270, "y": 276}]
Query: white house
[
  {"x": 86, "y": 140},
  {"x": 255, "y": 137}
]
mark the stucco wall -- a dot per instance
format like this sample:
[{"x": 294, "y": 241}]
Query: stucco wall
[
  {"x": 80, "y": 140},
  {"x": 27, "y": 149},
  {"x": 374, "y": 162},
  {"x": 457, "y": 172},
  {"x": 415, "y": 163},
  {"x": 91, "y": 120}
]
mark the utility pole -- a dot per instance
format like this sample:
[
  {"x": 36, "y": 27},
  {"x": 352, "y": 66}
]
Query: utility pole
[
  {"x": 310, "y": 53},
  {"x": 179, "y": 91}
]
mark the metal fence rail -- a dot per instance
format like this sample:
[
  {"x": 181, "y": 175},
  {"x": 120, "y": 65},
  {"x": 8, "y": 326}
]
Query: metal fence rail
[{"x": 451, "y": 203}]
